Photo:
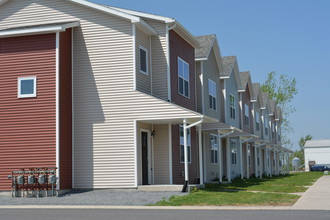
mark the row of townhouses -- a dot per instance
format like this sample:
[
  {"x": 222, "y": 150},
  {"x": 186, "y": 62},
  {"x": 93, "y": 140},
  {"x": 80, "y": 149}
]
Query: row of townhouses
[{"x": 116, "y": 98}]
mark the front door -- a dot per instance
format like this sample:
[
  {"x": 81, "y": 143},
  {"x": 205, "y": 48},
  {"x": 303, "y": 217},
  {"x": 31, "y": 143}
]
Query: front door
[{"x": 145, "y": 159}]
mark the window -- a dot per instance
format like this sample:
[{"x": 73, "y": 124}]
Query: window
[
  {"x": 273, "y": 130},
  {"x": 233, "y": 151},
  {"x": 214, "y": 148},
  {"x": 182, "y": 145},
  {"x": 232, "y": 107},
  {"x": 249, "y": 154},
  {"x": 143, "y": 60},
  {"x": 183, "y": 72},
  {"x": 27, "y": 87},
  {"x": 257, "y": 121},
  {"x": 266, "y": 125},
  {"x": 212, "y": 95},
  {"x": 246, "y": 115}
]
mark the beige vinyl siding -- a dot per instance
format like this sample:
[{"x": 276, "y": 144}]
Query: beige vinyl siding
[
  {"x": 105, "y": 102},
  {"x": 143, "y": 81},
  {"x": 199, "y": 87},
  {"x": 161, "y": 155},
  {"x": 211, "y": 71},
  {"x": 159, "y": 62}
]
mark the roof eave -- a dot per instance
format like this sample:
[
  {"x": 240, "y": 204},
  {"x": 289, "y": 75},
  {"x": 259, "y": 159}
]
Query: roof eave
[{"x": 185, "y": 34}]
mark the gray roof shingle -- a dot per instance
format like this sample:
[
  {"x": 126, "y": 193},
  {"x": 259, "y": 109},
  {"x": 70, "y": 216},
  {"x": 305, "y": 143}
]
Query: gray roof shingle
[
  {"x": 244, "y": 77},
  {"x": 256, "y": 90},
  {"x": 206, "y": 44},
  {"x": 228, "y": 64}
]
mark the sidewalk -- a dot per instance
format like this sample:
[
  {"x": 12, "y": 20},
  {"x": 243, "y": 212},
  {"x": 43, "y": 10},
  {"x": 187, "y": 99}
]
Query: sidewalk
[{"x": 317, "y": 197}]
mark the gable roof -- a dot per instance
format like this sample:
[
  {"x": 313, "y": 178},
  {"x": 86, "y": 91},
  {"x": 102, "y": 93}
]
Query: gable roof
[
  {"x": 228, "y": 65},
  {"x": 278, "y": 116},
  {"x": 179, "y": 28},
  {"x": 207, "y": 43},
  {"x": 246, "y": 82},
  {"x": 264, "y": 100},
  {"x": 317, "y": 143},
  {"x": 256, "y": 92},
  {"x": 272, "y": 107},
  {"x": 134, "y": 19}
]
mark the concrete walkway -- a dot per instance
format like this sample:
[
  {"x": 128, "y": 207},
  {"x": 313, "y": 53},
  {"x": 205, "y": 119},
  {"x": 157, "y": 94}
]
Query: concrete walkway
[{"x": 317, "y": 197}]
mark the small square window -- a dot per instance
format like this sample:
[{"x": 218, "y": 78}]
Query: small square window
[{"x": 27, "y": 87}]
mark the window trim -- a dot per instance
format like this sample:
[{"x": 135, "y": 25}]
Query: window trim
[
  {"x": 232, "y": 107},
  {"x": 19, "y": 80},
  {"x": 188, "y": 80},
  {"x": 188, "y": 146},
  {"x": 210, "y": 81},
  {"x": 147, "y": 60}
]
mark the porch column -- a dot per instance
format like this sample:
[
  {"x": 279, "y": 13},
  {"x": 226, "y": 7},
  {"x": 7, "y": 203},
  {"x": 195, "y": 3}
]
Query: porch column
[
  {"x": 201, "y": 176},
  {"x": 261, "y": 163},
  {"x": 241, "y": 158},
  {"x": 220, "y": 157},
  {"x": 271, "y": 164},
  {"x": 256, "y": 160},
  {"x": 186, "y": 174},
  {"x": 228, "y": 159},
  {"x": 247, "y": 161}
]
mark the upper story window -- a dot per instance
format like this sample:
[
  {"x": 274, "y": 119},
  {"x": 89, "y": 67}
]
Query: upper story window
[
  {"x": 27, "y": 87},
  {"x": 212, "y": 94},
  {"x": 233, "y": 146},
  {"x": 183, "y": 72},
  {"x": 266, "y": 125},
  {"x": 143, "y": 54},
  {"x": 182, "y": 144},
  {"x": 232, "y": 106},
  {"x": 214, "y": 148},
  {"x": 246, "y": 115},
  {"x": 273, "y": 130},
  {"x": 257, "y": 121}
]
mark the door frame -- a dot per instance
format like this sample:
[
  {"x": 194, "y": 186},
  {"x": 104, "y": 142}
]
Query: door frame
[{"x": 150, "y": 168}]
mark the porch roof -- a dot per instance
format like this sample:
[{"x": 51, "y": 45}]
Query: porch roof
[{"x": 178, "y": 120}]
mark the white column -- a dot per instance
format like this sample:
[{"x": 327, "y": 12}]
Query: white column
[
  {"x": 247, "y": 161},
  {"x": 241, "y": 158},
  {"x": 228, "y": 159},
  {"x": 201, "y": 176},
  {"x": 186, "y": 174},
  {"x": 256, "y": 160},
  {"x": 220, "y": 157}
]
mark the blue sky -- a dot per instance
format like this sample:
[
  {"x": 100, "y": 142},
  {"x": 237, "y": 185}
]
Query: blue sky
[{"x": 286, "y": 36}]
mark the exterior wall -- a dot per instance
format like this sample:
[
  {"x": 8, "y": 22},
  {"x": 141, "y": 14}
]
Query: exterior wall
[
  {"x": 257, "y": 109},
  {"x": 65, "y": 110},
  {"x": 143, "y": 81},
  {"x": 321, "y": 155},
  {"x": 231, "y": 88},
  {"x": 246, "y": 100},
  {"x": 28, "y": 125},
  {"x": 212, "y": 169},
  {"x": 106, "y": 106},
  {"x": 180, "y": 48},
  {"x": 211, "y": 71},
  {"x": 265, "y": 115},
  {"x": 223, "y": 102},
  {"x": 273, "y": 135},
  {"x": 177, "y": 166},
  {"x": 224, "y": 158},
  {"x": 236, "y": 168},
  {"x": 158, "y": 60},
  {"x": 161, "y": 155}
]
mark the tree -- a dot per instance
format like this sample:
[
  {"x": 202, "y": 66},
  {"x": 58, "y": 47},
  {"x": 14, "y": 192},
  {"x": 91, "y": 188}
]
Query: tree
[{"x": 282, "y": 90}]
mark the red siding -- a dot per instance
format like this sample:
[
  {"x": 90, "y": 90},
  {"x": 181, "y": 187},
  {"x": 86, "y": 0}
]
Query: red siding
[
  {"x": 27, "y": 125},
  {"x": 65, "y": 111},
  {"x": 177, "y": 166},
  {"x": 181, "y": 48},
  {"x": 246, "y": 99}
]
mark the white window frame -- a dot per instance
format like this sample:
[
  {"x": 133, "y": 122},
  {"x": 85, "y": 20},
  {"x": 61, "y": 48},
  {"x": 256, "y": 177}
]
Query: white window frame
[
  {"x": 214, "y": 148},
  {"x": 182, "y": 144},
  {"x": 257, "y": 121},
  {"x": 232, "y": 108},
  {"x": 212, "y": 94},
  {"x": 147, "y": 60},
  {"x": 182, "y": 76},
  {"x": 233, "y": 149},
  {"x": 246, "y": 115},
  {"x": 19, "y": 80}
]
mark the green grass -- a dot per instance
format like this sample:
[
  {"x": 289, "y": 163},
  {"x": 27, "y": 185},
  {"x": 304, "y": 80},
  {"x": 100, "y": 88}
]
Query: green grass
[{"x": 273, "y": 191}]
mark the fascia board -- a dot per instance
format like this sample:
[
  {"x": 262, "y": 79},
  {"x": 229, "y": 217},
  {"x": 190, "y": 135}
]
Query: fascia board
[{"x": 185, "y": 34}]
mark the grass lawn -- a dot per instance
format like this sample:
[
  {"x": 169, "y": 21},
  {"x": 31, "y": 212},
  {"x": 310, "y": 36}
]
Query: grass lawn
[{"x": 273, "y": 191}]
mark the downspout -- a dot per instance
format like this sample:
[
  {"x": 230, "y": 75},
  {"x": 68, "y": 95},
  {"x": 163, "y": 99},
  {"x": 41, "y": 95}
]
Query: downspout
[
  {"x": 168, "y": 60},
  {"x": 185, "y": 187}
]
